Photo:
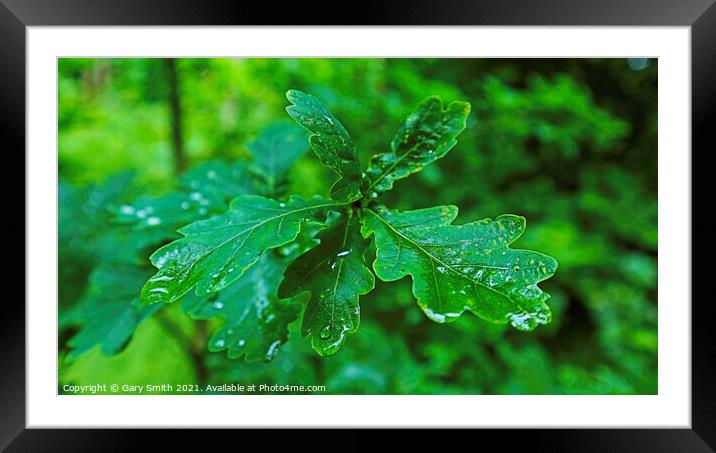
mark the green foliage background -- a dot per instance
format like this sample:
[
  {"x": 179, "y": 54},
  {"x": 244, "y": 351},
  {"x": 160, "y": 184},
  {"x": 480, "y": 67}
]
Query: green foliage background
[{"x": 571, "y": 144}]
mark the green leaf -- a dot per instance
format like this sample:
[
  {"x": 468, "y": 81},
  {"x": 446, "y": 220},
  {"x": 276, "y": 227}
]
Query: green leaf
[
  {"x": 216, "y": 252},
  {"x": 335, "y": 274},
  {"x": 216, "y": 183},
  {"x": 462, "y": 267},
  {"x": 109, "y": 313},
  {"x": 152, "y": 356},
  {"x": 330, "y": 141},
  {"x": 256, "y": 321},
  {"x": 275, "y": 150},
  {"x": 158, "y": 219},
  {"x": 425, "y": 136}
]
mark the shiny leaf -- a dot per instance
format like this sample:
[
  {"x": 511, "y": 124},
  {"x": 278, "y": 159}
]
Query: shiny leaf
[
  {"x": 330, "y": 141},
  {"x": 462, "y": 267},
  {"x": 335, "y": 275},
  {"x": 216, "y": 252},
  {"x": 255, "y": 320},
  {"x": 425, "y": 136}
]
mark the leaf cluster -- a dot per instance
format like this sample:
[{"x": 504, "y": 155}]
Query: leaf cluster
[{"x": 231, "y": 262}]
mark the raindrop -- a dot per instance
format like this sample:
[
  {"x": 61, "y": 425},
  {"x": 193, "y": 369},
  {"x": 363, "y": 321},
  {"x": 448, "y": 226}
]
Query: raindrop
[
  {"x": 344, "y": 253},
  {"x": 273, "y": 349},
  {"x": 141, "y": 214},
  {"x": 437, "y": 317},
  {"x": 218, "y": 305},
  {"x": 185, "y": 205},
  {"x": 195, "y": 196},
  {"x": 521, "y": 321},
  {"x": 154, "y": 221},
  {"x": 219, "y": 343},
  {"x": 283, "y": 205},
  {"x": 241, "y": 342},
  {"x": 325, "y": 332},
  {"x": 126, "y": 209}
]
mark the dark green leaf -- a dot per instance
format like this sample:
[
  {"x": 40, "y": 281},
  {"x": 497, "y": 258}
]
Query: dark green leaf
[
  {"x": 425, "y": 136},
  {"x": 276, "y": 148},
  {"x": 217, "y": 251},
  {"x": 158, "y": 219},
  {"x": 462, "y": 267},
  {"x": 216, "y": 183},
  {"x": 256, "y": 321},
  {"x": 110, "y": 312},
  {"x": 330, "y": 141},
  {"x": 335, "y": 274}
]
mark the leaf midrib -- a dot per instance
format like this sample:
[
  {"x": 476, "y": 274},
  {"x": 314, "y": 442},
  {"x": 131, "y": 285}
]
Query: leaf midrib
[
  {"x": 189, "y": 266},
  {"x": 338, "y": 275},
  {"x": 438, "y": 259},
  {"x": 401, "y": 157}
]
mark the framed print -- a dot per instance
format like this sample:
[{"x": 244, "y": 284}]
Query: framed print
[{"x": 430, "y": 216}]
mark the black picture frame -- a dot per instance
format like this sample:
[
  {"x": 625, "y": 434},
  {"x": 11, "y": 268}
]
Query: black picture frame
[{"x": 699, "y": 15}]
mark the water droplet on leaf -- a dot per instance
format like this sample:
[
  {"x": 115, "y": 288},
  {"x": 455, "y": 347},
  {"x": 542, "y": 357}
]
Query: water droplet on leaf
[
  {"x": 325, "y": 332},
  {"x": 126, "y": 209}
]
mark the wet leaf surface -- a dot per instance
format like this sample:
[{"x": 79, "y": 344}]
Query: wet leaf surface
[
  {"x": 335, "y": 275},
  {"x": 255, "y": 320},
  {"x": 215, "y": 252},
  {"x": 425, "y": 136},
  {"x": 462, "y": 267},
  {"x": 330, "y": 141}
]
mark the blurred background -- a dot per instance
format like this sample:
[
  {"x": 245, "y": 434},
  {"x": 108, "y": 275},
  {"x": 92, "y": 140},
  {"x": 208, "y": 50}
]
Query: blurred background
[{"x": 571, "y": 144}]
